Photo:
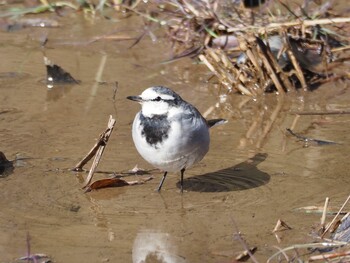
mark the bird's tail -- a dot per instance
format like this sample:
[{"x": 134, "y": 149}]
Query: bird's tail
[{"x": 216, "y": 122}]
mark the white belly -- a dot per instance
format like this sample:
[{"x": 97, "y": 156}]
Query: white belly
[{"x": 181, "y": 149}]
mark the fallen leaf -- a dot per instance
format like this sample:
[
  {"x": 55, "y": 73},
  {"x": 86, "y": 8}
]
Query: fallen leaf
[
  {"x": 109, "y": 182},
  {"x": 114, "y": 182}
]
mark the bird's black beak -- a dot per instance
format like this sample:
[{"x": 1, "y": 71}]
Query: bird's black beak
[{"x": 134, "y": 98}]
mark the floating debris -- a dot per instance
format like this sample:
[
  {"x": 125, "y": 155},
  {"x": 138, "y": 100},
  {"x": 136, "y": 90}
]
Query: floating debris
[
  {"x": 307, "y": 140},
  {"x": 6, "y": 166},
  {"x": 312, "y": 209},
  {"x": 11, "y": 25},
  {"x": 57, "y": 75},
  {"x": 38, "y": 258}
]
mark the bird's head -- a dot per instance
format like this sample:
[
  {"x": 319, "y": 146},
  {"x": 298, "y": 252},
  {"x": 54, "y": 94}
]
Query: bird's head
[{"x": 157, "y": 101}]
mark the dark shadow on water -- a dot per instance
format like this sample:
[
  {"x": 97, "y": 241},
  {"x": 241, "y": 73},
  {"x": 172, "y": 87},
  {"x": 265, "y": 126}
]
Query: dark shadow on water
[{"x": 242, "y": 176}]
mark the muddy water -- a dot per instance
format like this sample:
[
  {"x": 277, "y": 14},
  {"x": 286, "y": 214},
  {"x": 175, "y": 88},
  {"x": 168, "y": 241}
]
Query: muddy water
[{"x": 253, "y": 175}]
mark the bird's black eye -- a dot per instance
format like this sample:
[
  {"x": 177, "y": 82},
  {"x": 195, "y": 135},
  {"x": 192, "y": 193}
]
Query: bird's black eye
[{"x": 158, "y": 98}]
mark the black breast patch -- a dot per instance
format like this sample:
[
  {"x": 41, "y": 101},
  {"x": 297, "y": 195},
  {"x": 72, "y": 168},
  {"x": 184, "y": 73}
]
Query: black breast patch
[{"x": 155, "y": 129}]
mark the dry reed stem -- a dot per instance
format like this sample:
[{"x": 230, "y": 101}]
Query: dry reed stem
[
  {"x": 279, "y": 71},
  {"x": 79, "y": 166},
  {"x": 248, "y": 51},
  {"x": 253, "y": 127},
  {"x": 307, "y": 246},
  {"x": 191, "y": 8},
  {"x": 305, "y": 23},
  {"x": 295, "y": 63},
  {"x": 221, "y": 72},
  {"x": 324, "y": 213},
  {"x": 207, "y": 63},
  {"x": 339, "y": 49},
  {"x": 270, "y": 70},
  {"x": 345, "y": 256}
]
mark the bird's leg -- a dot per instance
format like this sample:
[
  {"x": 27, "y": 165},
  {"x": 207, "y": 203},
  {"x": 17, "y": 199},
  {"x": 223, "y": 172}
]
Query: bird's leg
[
  {"x": 161, "y": 182},
  {"x": 182, "y": 180}
]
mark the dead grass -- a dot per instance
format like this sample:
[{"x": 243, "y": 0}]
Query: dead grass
[{"x": 275, "y": 47}]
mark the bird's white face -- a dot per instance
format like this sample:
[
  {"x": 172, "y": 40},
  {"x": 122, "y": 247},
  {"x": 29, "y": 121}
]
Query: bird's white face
[{"x": 155, "y": 103}]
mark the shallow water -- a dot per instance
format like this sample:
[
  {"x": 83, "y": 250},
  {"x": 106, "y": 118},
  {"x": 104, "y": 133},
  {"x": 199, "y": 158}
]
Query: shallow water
[{"x": 253, "y": 175}]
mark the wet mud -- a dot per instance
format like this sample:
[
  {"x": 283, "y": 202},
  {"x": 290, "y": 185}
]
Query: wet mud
[{"x": 254, "y": 174}]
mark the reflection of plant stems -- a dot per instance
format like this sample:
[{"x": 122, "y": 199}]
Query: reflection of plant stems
[
  {"x": 272, "y": 119},
  {"x": 115, "y": 89},
  {"x": 101, "y": 219},
  {"x": 98, "y": 80},
  {"x": 338, "y": 49},
  {"x": 244, "y": 100},
  {"x": 252, "y": 128},
  {"x": 101, "y": 67},
  {"x": 208, "y": 111},
  {"x": 28, "y": 247},
  {"x": 237, "y": 236},
  {"x": 24, "y": 60},
  {"x": 292, "y": 127},
  {"x": 294, "y": 123}
]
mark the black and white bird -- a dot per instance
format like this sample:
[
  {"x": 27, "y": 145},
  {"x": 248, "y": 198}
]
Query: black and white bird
[{"x": 168, "y": 132}]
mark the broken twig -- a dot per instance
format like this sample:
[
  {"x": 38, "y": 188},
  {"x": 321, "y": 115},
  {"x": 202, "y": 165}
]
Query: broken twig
[
  {"x": 281, "y": 226},
  {"x": 97, "y": 150}
]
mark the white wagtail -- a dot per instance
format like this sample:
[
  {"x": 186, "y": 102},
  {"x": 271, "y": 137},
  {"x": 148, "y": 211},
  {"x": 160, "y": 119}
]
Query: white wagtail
[{"x": 168, "y": 132}]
